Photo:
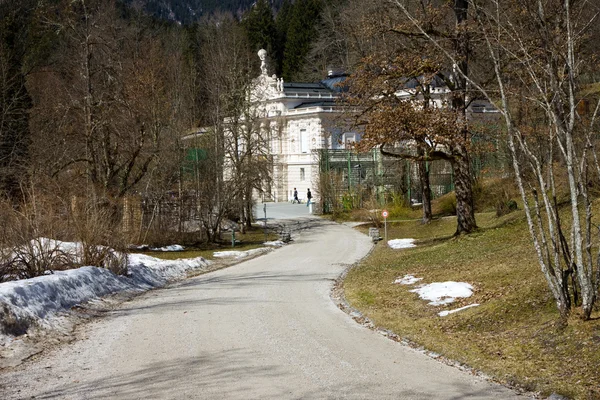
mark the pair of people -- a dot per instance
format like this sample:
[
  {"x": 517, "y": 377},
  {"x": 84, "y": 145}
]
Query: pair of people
[{"x": 308, "y": 196}]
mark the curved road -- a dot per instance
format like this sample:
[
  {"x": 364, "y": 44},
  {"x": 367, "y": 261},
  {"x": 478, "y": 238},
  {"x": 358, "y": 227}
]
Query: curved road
[{"x": 262, "y": 329}]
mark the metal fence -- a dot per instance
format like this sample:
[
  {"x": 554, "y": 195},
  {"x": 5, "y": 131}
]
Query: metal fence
[
  {"x": 348, "y": 178},
  {"x": 162, "y": 215}
]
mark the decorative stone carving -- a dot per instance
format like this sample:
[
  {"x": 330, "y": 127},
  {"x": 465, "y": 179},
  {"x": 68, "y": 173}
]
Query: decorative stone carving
[{"x": 262, "y": 54}]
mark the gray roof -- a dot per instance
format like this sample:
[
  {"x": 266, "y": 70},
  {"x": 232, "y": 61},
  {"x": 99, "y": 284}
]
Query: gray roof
[
  {"x": 317, "y": 104},
  {"x": 336, "y": 83},
  {"x": 308, "y": 88}
]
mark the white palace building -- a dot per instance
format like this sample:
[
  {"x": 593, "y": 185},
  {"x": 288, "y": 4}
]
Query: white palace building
[
  {"x": 300, "y": 119},
  {"x": 304, "y": 116}
]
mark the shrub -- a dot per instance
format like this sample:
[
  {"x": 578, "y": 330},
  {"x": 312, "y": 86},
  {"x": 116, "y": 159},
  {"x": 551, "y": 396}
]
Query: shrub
[
  {"x": 25, "y": 250},
  {"x": 347, "y": 201},
  {"x": 103, "y": 244},
  {"x": 398, "y": 207},
  {"x": 370, "y": 212},
  {"x": 504, "y": 207},
  {"x": 445, "y": 205},
  {"x": 489, "y": 193},
  {"x": 30, "y": 236}
]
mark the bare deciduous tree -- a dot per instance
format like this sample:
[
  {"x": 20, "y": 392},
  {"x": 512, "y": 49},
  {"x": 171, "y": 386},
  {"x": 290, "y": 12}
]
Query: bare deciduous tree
[
  {"x": 240, "y": 133},
  {"x": 394, "y": 87},
  {"x": 539, "y": 53},
  {"x": 102, "y": 107},
  {"x": 537, "y": 49},
  {"x": 14, "y": 98}
]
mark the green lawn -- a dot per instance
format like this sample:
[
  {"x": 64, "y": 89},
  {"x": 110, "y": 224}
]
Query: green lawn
[{"x": 252, "y": 239}]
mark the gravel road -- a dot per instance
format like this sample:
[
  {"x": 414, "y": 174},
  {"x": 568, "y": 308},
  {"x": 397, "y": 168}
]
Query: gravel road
[{"x": 262, "y": 329}]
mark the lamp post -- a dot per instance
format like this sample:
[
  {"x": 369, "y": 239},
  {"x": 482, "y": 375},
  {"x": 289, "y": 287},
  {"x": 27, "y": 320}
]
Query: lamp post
[{"x": 359, "y": 191}]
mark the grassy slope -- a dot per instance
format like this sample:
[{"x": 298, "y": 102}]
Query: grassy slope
[{"x": 512, "y": 336}]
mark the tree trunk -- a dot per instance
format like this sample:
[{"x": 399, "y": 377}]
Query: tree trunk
[
  {"x": 425, "y": 187},
  {"x": 249, "y": 210},
  {"x": 465, "y": 210},
  {"x": 463, "y": 187}
]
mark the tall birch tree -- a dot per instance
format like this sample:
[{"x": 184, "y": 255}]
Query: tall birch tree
[{"x": 539, "y": 51}]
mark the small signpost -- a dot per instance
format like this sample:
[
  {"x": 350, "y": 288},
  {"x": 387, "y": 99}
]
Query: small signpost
[
  {"x": 265, "y": 210},
  {"x": 385, "y": 214}
]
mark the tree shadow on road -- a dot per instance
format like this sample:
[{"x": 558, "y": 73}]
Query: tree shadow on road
[
  {"x": 240, "y": 280},
  {"x": 235, "y": 374},
  {"x": 176, "y": 305},
  {"x": 170, "y": 301},
  {"x": 204, "y": 376}
]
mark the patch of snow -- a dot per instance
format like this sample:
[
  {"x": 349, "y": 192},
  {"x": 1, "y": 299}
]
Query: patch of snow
[
  {"x": 42, "y": 245},
  {"x": 240, "y": 254},
  {"x": 67, "y": 247},
  {"x": 173, "y": 247},
  {"x": 401, "y": 243},
  {"x": 275, "y": 243},
  {"x": 148, "y": 272},
  {"x": 448, "y": 312},
  {"x": 439, "y": 293},
  {"x": 407, "y": 280},
  {"x": 145, "y": 247},
  {"x": 141, "y": 247}
]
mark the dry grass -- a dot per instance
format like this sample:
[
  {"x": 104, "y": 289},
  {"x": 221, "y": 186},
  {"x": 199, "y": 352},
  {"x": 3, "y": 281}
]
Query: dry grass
[{"x": 513, "y": 335}]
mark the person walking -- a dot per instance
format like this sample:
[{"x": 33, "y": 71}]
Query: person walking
[
  {"x": 308, "y": 197},
  {"x": 295, "y": 197}
]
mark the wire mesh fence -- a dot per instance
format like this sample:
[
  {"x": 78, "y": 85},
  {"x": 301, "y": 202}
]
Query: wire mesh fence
[{"x": 349, "y": 179}]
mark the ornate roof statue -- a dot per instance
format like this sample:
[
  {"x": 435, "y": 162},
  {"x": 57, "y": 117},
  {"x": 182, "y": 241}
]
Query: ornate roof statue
[
  {"x": 266, "y": 87},
  {"x": 262, "y": 54}
]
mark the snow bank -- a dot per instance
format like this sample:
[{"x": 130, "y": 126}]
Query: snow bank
[
  {"x": 145, "y": 247},
  {"x": 276, "y": 243},
  {"x": 149, "y": 272},
  {"x": 448, "y": 312},
  {"x": 439, "y": 293},
  {"x": 240, "y": 254},
  {"x": 37, "y": 300},
  {"x": 401, "y": 243},
  {"x": 173, "y": 247},
  {"x": 407, "y": 280}
]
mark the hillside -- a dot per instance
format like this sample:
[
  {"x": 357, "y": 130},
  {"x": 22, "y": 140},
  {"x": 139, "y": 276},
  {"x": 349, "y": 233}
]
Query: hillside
[{"x": 187, "y": 11}]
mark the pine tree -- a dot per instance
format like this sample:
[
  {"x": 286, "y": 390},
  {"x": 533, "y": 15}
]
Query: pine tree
[
  {"x": 260, "y": 26},
  {"x": 16, "y": 52},
  {"x": 301, "y": 33},
  {"x": 282, "y": 23}
]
